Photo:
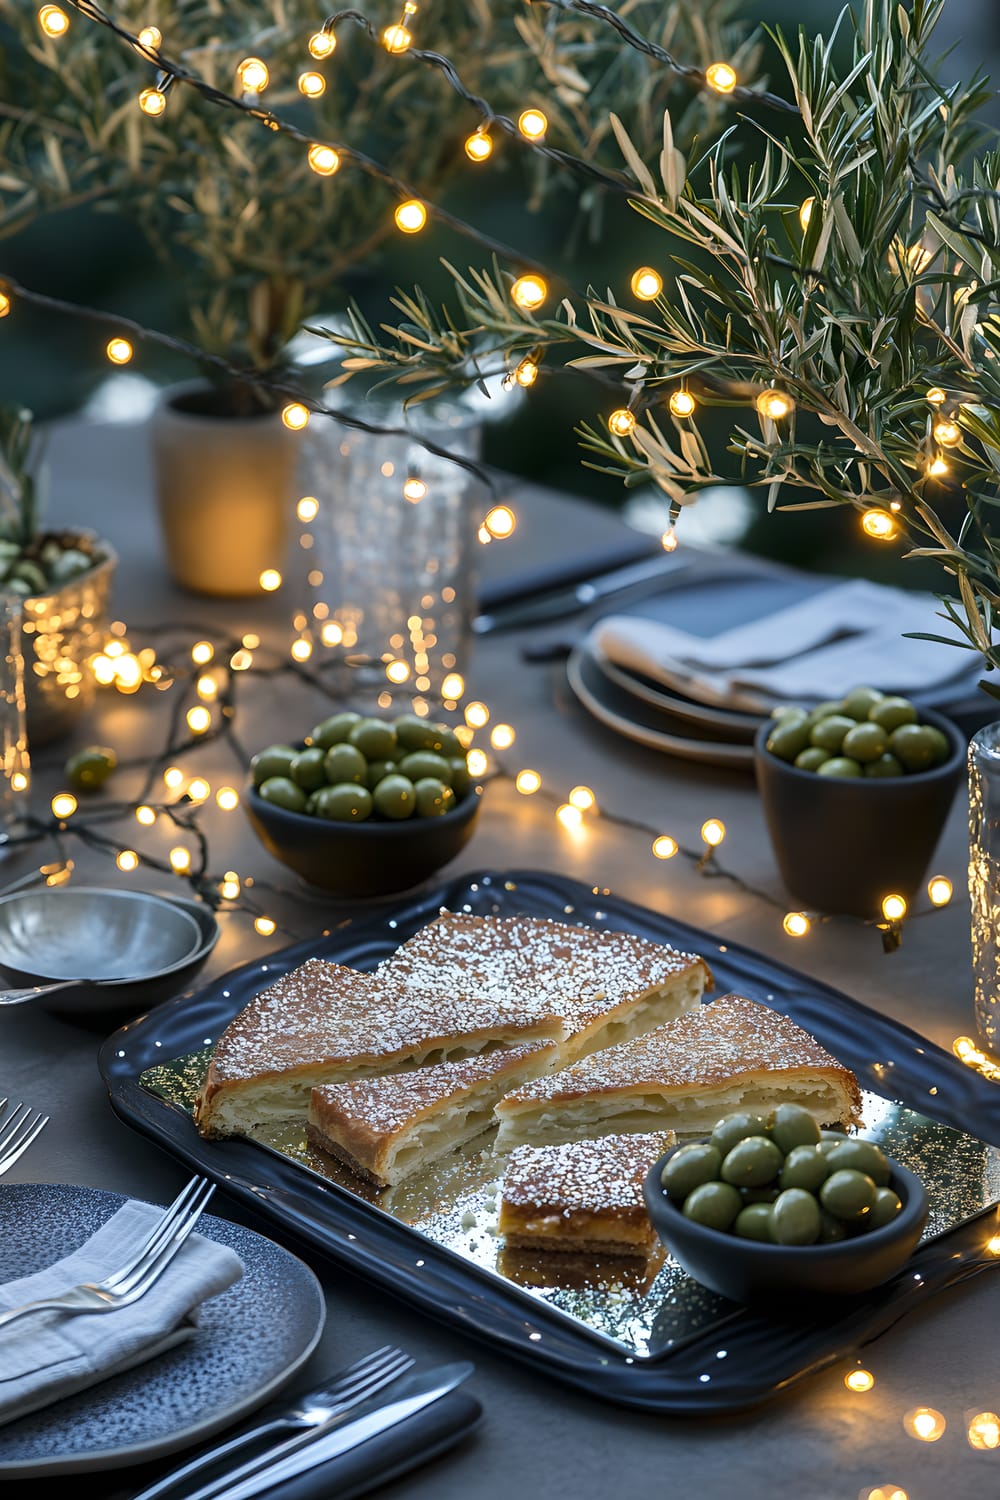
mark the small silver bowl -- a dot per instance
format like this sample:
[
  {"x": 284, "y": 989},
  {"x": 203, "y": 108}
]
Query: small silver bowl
[{"x": 129, "y": 949}]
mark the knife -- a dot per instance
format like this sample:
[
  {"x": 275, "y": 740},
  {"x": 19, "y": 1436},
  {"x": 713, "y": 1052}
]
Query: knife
[
  {"x": 568, "y": 599},
  {"x": 412, "y": 1394}
]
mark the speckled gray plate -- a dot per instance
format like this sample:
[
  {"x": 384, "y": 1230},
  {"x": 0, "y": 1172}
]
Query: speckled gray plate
[{"x": 251, "y": 1339}]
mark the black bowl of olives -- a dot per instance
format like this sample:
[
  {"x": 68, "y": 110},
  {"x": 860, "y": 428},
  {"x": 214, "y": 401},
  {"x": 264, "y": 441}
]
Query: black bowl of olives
[
  {"x": 364, "y": 806},
  {"x": 770, "y": 1210},
  {"x": 855, "y": 794}
]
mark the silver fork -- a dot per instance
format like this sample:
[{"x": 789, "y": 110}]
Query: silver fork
[
  {"x": 316, "y": 1409},
  {"x": 19, "y": 1125},
  {"x": 137, "y": 1275}
]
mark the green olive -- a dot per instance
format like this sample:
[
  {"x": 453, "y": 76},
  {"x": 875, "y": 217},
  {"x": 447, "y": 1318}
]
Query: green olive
[
  {"x": 886, "y": 765},
  {"x": 831, "y": 1230},
  {"x": 688, "y": 1168},
  {"x": 714, "y": 1204},
  {"x": 914, "y": 745},
  {"x": 374, "y": 738},
  {"x": 395, "y": 798},
  {"x": 795, "y": 1218},
  {"x": 754, "y": 1222},
  {"x": 376, "y": 770},
  {"x": 840, "y": 765},
  {"x": 811, "y": 758},
  {"x": 345, "y": 763},
  {"x": 283, "y": 792},
  {"x": 791, "y": 1125},
  {"x": 346, "y": 802},
  {"x": 276, "y": 760},
  {"x": 307, "y": 769},
  {"x": 848, "y": 1195},
  {"x": 334, "y": 730},
  {"x": 829, "y": 733},
  {"x": 824, "y": 710},
  {"x": 89, "y": 769},
  {"x": 830, "y": 1139},
  {"x": 735, "y": 1127},
  {"x": 860, "y": 700},
  {"x": 861, "y": 1156},
  {"x": 805, "y": 1167},
  {"x": 450, "y": 746},
  {"x": 752, "y": 1162},
  {"x": 891, "y": 712},
  {"x": 789, "y": 737},
  {"x": 461, "y": 778},
  {"x": 865, "y": 742},
  {"x": 766, "y": 1194},
  {"x": 942, "y": 745},
  {"x": 433, "y": 797},
  {"x": 885, "y": 1208},
  {"x": 414, "y": 733},
  {"x": 425, "y": 763}
]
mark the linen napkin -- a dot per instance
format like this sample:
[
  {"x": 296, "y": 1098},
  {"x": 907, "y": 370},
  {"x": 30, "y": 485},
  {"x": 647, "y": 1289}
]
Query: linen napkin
[
  {"x": 841, "y": 636},
  {"x": 48, "y": 1355}
]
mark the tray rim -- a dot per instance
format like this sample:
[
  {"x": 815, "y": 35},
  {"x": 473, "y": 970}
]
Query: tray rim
[{"x": 372, "y": 1243}]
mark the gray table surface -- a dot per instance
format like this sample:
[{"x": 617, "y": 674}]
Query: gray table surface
[{"x": 816, "y": 1441}]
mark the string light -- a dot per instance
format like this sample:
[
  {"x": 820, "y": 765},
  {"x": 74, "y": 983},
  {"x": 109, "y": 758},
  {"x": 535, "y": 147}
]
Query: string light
[
  {"x": 173, "y": 778},
  {"x": 924, "y": 1423},
  {"x": 312, "y": 85},
  {"x": 529, "y": 292},
  {"x": 937, "y": 467},
  {"x": 322, "y": 44},
  {"x": 5, "y": 303},
  {"x": 180, "y": 859},
  {"x": 397, "y": 671},
  {"x": 199, "y": 719},
  {"x": 983, "y": 1430},
  {"x": 207, "y": 687},
  {"x": 532, "y": 124},
  {"x": 884, "y": 1492},
  {"x": 479, "y": 146},
  {"x": 229, "y": 886},
  {"x": 119, "y": 351},
  {"x": 622, "y": 422},
  {"x": 323, "y": 160},
  {"x": 583, "y": 798},
  {"x": 411, "y": 216},
  {"x": 301, "y": 649},
  {"x": 252, "y": 75},
  {"x": 806, "y": 213},
  {"x": 414, "y": 489},
  {"x": 53, "y": 21},
  {"x": 796, "y": 924},
  {"x": 227, "y": 798},
  {"x": 265, "y": 926},
  {"x": 947, "y": 433},
  {"x": 569, "y": 816},
  {"x": 894, "y": 908},
  {"x": 18, "y": 781},
  {"x": 527, "y": 782},
  {"x": 477, "y": 762},
  {"x": 879, "y": 524},
  {"x": 526, "y": 373},
  {"x": 127, "y": 860},
  {"x": 500, "y": 522},
  {"x": 682, "y": 403},
  {"x": 664, "y": 847},
  {"x": 145, "y": 815},
  {"x": 721, "y": 77},
  {"x": 198, "y": 789},
  {"x": 477, "y": 715},
  {"x": 396, "y": 39},
  {"x": 502, "y": 736},
  {"x": 332, "y": 634},
  {"x": 774, "y": 405},
  {"x": 936, "y": 396},
  {"x": 939, "y": 889},
  {"x": 307, "y": 508},
  {"x": 453, "y": 685},
  {"x": 859, "y": 1380},
  {"x": 64, "y": 805},
  {"x": 668, "y": 541},
  {"x": 713, "y": 831},
  {"x": 646, "y": 284},
  {"x": 152, "y": 102},
  {"x": 270, "y": 580},
  {"x": 967, "y": 1052},
  {"x": 295, "y": 416},
  {"x": 150, "y": 37}
]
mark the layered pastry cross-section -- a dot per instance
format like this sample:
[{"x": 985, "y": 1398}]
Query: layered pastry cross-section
[
  {"x": 581, "y": 1195},
  {"x": 608, "y": 986},
  {"x": 731, "y": 1054},
  {"x": 387, "y": 1127},
  {"x": 324, "y": 1023}
]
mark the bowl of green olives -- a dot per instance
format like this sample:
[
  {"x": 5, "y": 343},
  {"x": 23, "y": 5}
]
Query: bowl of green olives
[
  {"x": 364, "y": 806},
  {"x": 855, "y": 794},
  {"x": 771, "y": 1210}
]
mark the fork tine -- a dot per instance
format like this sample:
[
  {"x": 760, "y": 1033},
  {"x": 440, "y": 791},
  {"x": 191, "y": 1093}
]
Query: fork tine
[
  {"x": 159, "y": 1234},
  {"x": 164, "y": 1246},
  {"x": 375, "y": 1375},
  {"x": 32, "y": 1128},
  {"x": 11, "y": 1125}
]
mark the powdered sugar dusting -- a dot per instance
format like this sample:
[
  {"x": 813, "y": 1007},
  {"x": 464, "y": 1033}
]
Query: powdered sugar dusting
[{"x": 584, "y": 1176}]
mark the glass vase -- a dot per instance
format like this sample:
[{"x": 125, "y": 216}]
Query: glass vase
[
  {"x": 391, "y": 540},
  {"x": 14, "y": 762},
  {"x": 984, "y": 880}
]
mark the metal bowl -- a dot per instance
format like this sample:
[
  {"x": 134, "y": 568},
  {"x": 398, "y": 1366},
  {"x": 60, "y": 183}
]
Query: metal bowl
[{"x": 130, "y": 949}]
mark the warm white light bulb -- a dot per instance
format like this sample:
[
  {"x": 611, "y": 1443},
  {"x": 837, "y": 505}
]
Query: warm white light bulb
[
  {"x": 947, "y": 433},
  {"x": 529, "y": 292},
  {"x": 228, "y": 798},
  {"x": 265, "y": 926},
  {"x": 127, "y": 860},
  {"x": 646, "y": 284},
  {"x": 532, "y": 124},
  {"x": 396, "y": 39},
  {"x": 322, "y": 44},
  {"x": 53, "y": 21},
  {"x": 681, "y": 403},
  {"x": 307, "y": 508},
  {"x": 527, "y": 782},
  {"x": 411, "y": 216},
  {"x": 323, "y": 160},
  {"x": 878, "y": 524},
  {"x": 119, "y": 351},
  {"x": 64, "y": 805},
  {"x": 479, "y": 146},
  {"x": 622, "y": 422},
  {"x": 713, "y": 831},
  {"x": 312, "y": 85},
  {"x": 180, "y": 859},
  {"x": 774, "y": 405},
  {"x": 252, "y": 75},
  {"x": 500, "y": 522},
  {"x": 796, "y": 923},
  {"x": 152, "y": 102},
  {"x": 939, "y": 889},
  {"x": 664, "y": 847},
  {"x": 295, "y": 416},
  {"x": 721, "y": 77},
  {"x": 414, "y": 489},
  {"x": 893, "y": 908},
  {"x": 150, "y": 37},
  {"x": 526, "y": 373},
  {"x": 269, "y": 580}
]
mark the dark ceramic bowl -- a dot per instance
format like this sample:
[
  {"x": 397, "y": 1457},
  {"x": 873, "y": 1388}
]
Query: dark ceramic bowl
[
  {"x": 789, "y": 1277},
  {"x": 844, "y": 843},
  {"x": 372, "y": 858}
]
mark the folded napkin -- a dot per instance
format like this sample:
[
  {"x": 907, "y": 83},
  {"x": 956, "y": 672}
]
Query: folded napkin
[
  {"x": 840, "y": 637},
  {"x": 48, "y": 1355}
]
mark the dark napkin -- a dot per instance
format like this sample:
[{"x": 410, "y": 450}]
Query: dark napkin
[{"x": 564, "y": 572}]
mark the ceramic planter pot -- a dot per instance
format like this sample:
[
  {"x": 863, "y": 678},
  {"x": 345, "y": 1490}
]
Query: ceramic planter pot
[
  {"x": 842, "y": 844},
  {"x": 224, "y": 489},
  {"x": 60, "y": 632}
]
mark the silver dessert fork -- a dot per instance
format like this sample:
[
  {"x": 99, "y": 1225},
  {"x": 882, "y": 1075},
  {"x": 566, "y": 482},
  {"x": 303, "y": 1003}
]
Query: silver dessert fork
[
  {"x": 316, "y": 1409},
  {"x": 133, "y": 1279},
  {"x": 19, "y": 1125}
]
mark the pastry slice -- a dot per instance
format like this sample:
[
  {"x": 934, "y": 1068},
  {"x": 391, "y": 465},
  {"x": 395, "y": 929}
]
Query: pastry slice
[
  {"x": 608, "y": 986},
  {"x": 324, "y": 1023},
  {"x": 582, "y": 1195},
  {"x": 387, "y": 1127},
  {"x": 731, "y": 1054}
]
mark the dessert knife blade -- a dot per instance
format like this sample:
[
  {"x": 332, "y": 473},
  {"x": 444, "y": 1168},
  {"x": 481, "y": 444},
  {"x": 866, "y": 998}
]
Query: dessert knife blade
[
  {"x": 413, "y": 1393},
  {"x": 568, "y": 599}
]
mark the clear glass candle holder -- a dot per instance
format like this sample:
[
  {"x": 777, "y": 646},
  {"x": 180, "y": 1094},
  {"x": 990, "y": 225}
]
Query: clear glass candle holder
[
  {"x": 15, "y": 770},
  {"x": 984, "y": 880}
]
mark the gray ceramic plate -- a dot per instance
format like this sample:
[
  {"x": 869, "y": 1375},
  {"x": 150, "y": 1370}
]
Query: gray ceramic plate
[{"x": 251, "y": 1340}]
